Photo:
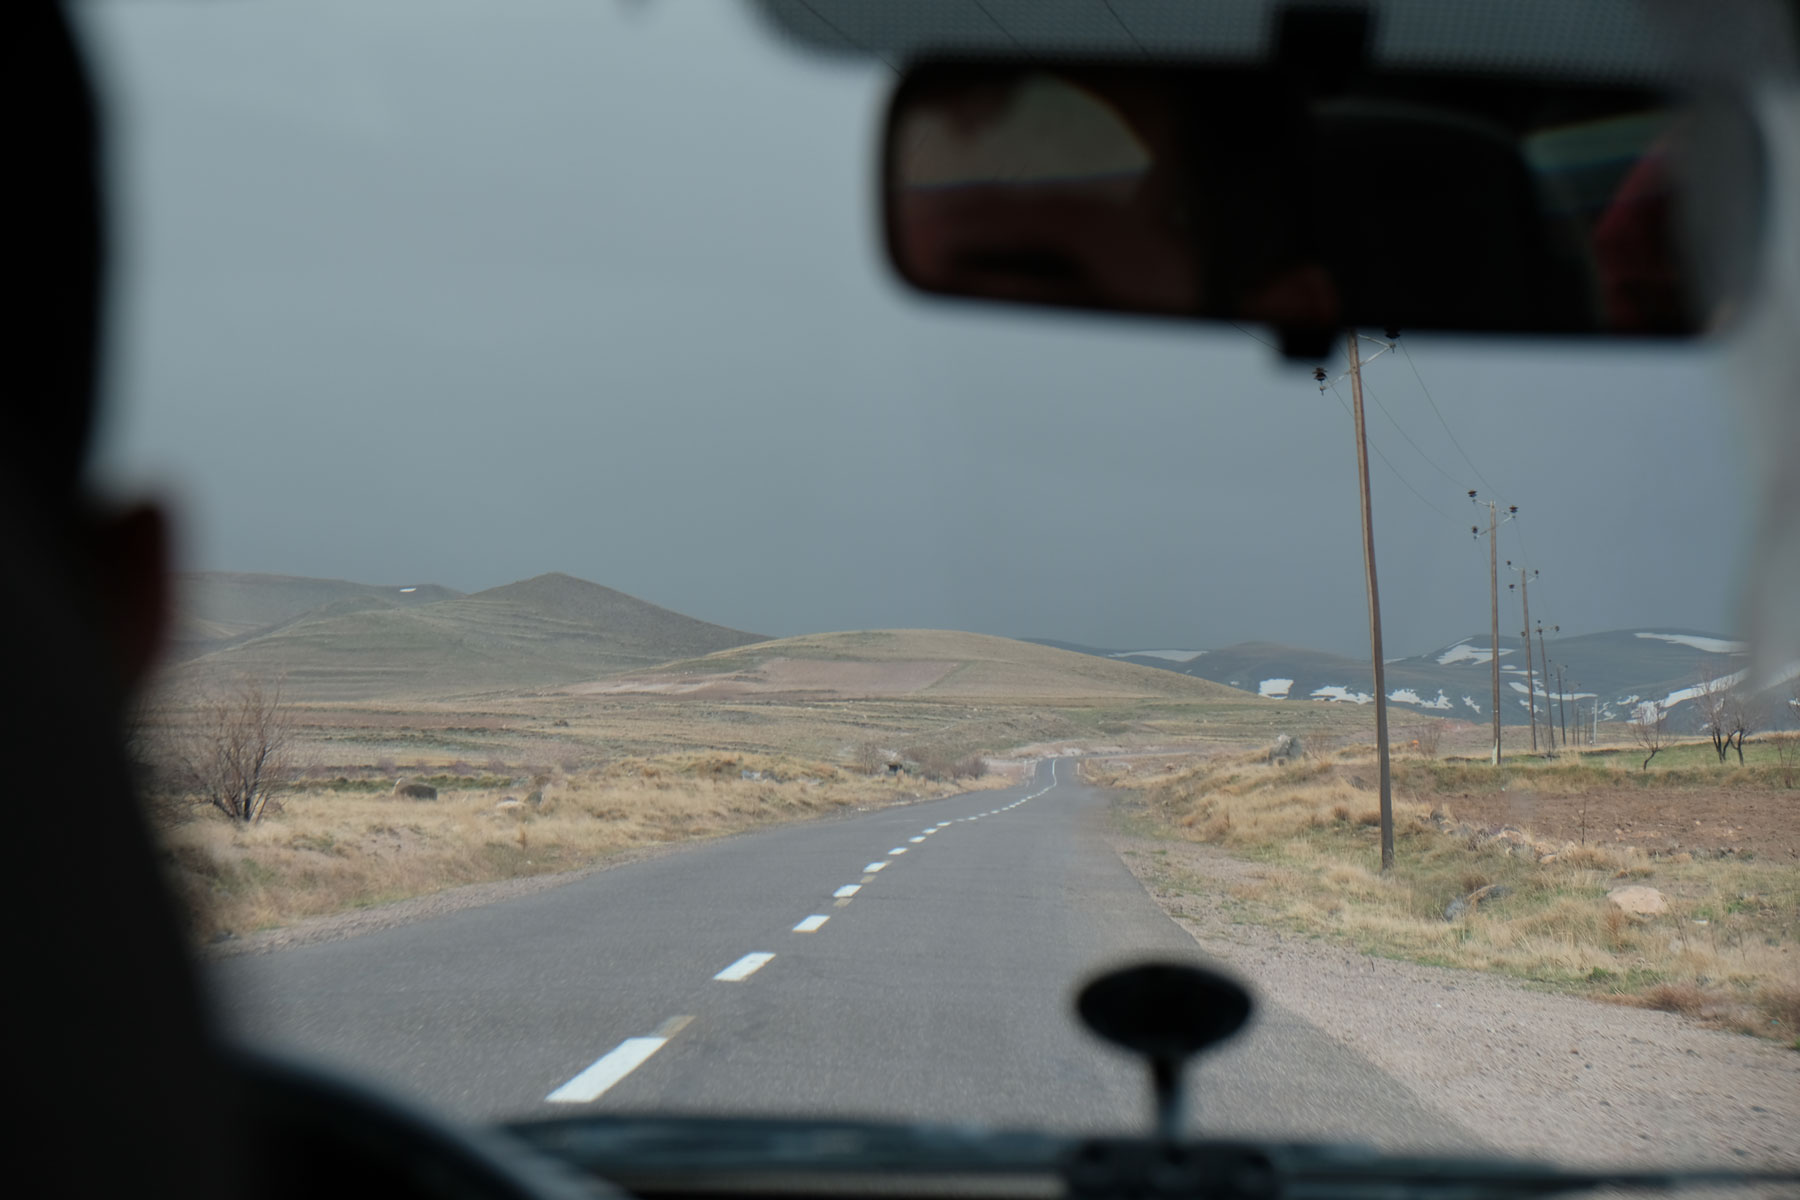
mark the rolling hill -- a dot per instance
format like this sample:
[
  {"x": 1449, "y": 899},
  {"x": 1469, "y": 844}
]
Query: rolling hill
[
  {"x": 1619, "y": 669},
  {"x": 214, "y": 609},
  {"x": 916, "y": 663},
  {"x": 358, "y": 644}
]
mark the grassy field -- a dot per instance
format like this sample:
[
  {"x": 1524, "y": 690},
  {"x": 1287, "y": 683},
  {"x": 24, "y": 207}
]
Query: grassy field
[
  {"x": 618, "y": 770},
  {"x": 1726, "y": 951},
  {"x": 349, "y": 841}
]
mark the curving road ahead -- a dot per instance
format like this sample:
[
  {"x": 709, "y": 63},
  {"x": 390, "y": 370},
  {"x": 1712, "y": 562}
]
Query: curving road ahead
[{"x": 912, "y": 963}]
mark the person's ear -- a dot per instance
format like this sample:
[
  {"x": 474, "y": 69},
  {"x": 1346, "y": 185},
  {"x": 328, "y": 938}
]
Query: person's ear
[{"x": 131, "y": 570}]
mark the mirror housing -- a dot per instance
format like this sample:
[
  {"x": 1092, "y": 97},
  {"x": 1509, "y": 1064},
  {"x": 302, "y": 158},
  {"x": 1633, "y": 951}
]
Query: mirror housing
[{"x": 1314, "y": 201}]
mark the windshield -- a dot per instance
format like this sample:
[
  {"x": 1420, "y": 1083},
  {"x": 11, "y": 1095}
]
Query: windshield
[{"x": 633, "y": 656}]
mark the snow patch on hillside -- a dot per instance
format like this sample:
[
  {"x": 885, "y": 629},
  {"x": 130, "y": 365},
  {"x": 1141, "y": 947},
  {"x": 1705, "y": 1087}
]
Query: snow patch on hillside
[
  {"x": 1470, "y": 701},
  {"x": 1687, "y": 693},
  {"x": 1274, "y": 689},
  {"x": 1337, "y": 692},
  {"x": 1463, "y": 652},
  {"x": 1408, "y": 696},
  {"x": 1711, "y": 645}
]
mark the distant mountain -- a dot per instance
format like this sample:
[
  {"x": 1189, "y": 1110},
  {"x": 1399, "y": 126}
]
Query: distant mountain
[
  {"x": 1620, "y": 668},
  {"x": 361, "y": 642}
]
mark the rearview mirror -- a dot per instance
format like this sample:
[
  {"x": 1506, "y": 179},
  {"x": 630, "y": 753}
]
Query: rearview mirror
[{"x": 1386, "y": 198}]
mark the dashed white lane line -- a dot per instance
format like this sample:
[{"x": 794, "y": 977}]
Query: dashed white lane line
[
  {"x": 811, "y": 924},
  {"x": 615, "y": 1065},
  {"x": 896, "y": 850},
  {"x": 915, "y": 841},
  {"x": 744, "y": 967},
  {"x": 874, "y": 867},
  {"x": 849, "y": 889}
]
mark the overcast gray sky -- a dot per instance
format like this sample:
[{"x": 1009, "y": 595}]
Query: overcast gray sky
[{"x": 460, "y": 292}]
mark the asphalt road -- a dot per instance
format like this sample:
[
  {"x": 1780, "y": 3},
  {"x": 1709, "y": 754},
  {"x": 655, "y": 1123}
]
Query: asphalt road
[{"x": 937, "y": 987}]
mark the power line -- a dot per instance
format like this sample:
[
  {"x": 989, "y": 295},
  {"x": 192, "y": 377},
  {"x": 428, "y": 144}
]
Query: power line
[
  {"x": 822, "y": 19},
  {"x": 1252, "y": 336},
  {"x": 1518, "y": 533},
  {"x": 997, "y": 25},
  {"x": 1491, "y": 489},
  {"x": 1461, "y": 484},
  {"x": 1524, "y": 553},
  {"x": 1120, "y": 22},
  {"x": 1390, "y": 466}
]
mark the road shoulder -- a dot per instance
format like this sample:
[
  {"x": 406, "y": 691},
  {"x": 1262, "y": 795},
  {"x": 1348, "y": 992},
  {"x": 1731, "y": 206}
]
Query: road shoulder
[{"x": 1530, "y": 1072}]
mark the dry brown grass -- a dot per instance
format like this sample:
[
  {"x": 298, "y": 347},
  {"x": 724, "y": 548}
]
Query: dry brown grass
[
  {"x": 1727, "y": 952},
  {"x": 333, "y": 848}
]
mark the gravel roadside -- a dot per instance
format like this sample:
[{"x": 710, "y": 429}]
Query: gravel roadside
[{"x": 1529, "y": 1072}]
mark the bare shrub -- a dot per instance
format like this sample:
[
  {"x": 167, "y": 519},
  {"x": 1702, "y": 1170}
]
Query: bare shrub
[
  {"x": 386, "y": 764},
  {"x": 1650, "y": 729},
  {"x": 1684, "y": 998},
  {"x": 1427, "y": 738},
  {"x": 869, "y": 758},
  {"x": 1781, "y": 1000},
  {"x": 972, "y": 767},
  {"x": 235, "y": 749},
  {"x": 1591, "y": 857},
  {"x": 932, "y": 764},
  {"x": 1787, "y": 758}
]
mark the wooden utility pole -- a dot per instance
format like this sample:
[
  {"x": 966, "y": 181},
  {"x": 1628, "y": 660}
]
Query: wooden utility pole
[
  {"x": 1368, "y": 532},
  {"x": 1562, "y": 708},
  {"x": 1494, "y": 617},
  {"x": 1530, "y": 686},
  {"x": 1549, "y": 714}
]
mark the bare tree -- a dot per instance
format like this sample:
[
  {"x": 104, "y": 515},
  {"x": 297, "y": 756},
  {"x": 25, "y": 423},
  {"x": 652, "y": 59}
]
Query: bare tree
[
  {"x": 1650, "y": 729},
  {"x": 1712, "y": 701},
  {"x": 234, "y": 748},
  {"x": 1743, "y": 717}
]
